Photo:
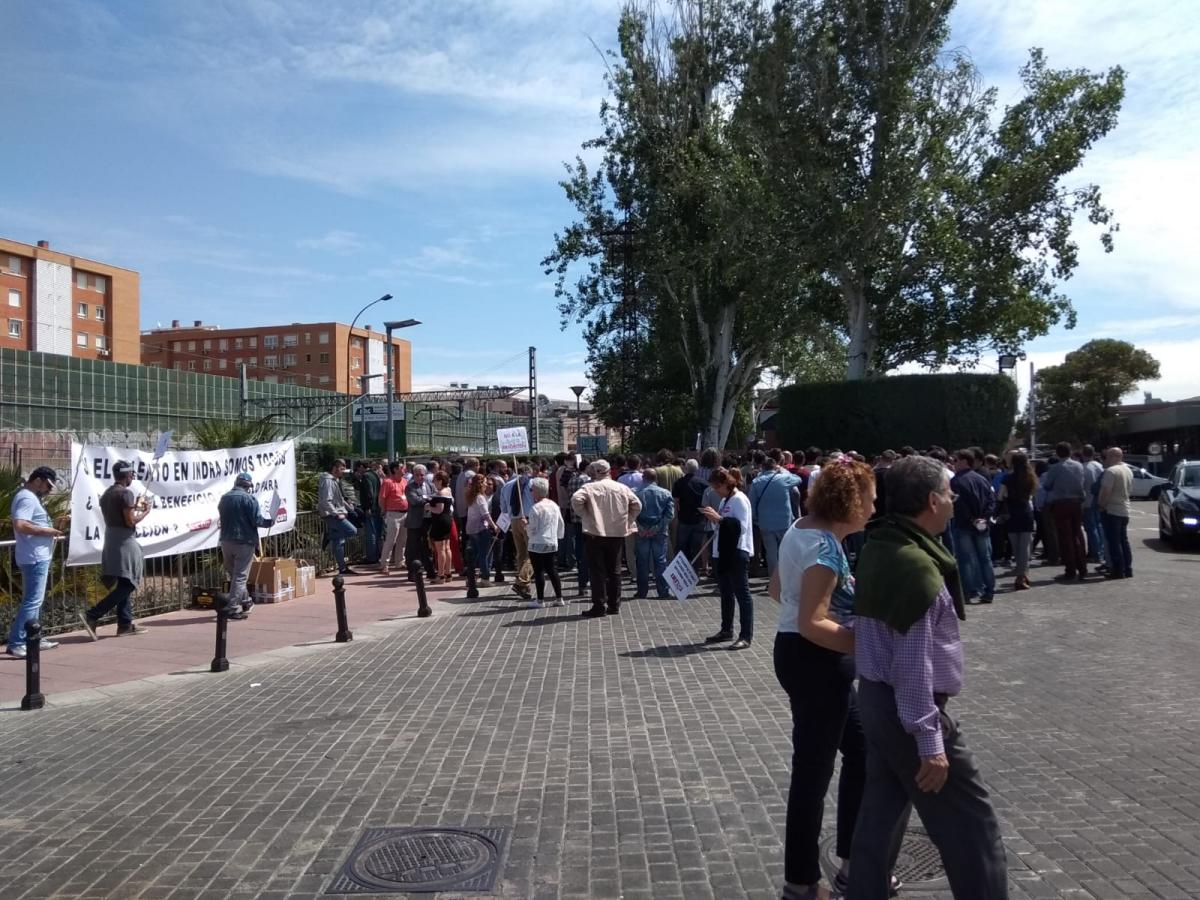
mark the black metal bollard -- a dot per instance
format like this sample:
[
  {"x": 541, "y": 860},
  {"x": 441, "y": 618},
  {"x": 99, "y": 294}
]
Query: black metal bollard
[
  {"x": 34, "y": 698},
  {"x": 220, "y": 661},
  {"x": 469, "y": 563},
  {"x": 339, "y": 604},
  {"x": 423, "y": 610}
]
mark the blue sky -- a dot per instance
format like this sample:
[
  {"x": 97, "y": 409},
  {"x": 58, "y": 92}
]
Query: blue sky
[{"x": 290, "y": 160}]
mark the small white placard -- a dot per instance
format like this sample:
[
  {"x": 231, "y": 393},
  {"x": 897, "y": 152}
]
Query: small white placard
[
  {"x": 681, "y": 577},
  {"x": 164, "y": 441},
  {"x": 513, "y": 440},
  {"x": 503, "y": 522}
]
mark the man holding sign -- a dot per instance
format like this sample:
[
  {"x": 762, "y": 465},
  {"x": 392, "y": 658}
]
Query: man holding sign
[{"x": 240, "y": 521}]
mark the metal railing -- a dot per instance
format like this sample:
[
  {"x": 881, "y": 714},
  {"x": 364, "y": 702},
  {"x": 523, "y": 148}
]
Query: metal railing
[{"x": 166, "y": 585}]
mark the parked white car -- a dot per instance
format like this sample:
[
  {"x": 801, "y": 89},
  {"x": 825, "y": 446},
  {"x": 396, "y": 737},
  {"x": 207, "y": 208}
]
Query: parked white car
[{"x": 1144, "y": 484}]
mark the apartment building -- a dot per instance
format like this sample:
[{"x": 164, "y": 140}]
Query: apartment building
[
  {"x": 325, "y": 355},
  {"x": 59, "y": 303}
]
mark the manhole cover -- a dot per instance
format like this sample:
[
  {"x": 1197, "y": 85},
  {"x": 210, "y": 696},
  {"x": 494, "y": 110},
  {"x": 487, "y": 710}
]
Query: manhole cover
[
  {"x": 422, "y": 860},
  {"x": 919, "y": 865}
]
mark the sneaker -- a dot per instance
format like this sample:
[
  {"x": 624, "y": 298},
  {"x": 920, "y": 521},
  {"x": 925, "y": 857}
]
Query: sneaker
[
  {"x": 19, "y": 651},
  {"x": 89, "y": 625},
  {"x": 535, "y": 604},
  {"x": 347, "y": 571},
  {"x": 559, "y": 601},
  {"x": 135, "y": 628},
  {"x": 44, "y": 644}
]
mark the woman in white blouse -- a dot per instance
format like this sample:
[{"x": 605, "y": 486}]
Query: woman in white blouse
[
  {"x": 731, "y": 550},
  {"x": 546, "y": 529}
]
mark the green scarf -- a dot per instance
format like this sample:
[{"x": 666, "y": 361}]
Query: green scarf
[{"x": 900, "y": 571}]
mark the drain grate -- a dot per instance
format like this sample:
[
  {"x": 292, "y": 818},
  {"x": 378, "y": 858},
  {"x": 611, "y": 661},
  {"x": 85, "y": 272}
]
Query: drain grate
[
  {"x": 919, "y": 864},
  {"x": 422, "y": 860}
]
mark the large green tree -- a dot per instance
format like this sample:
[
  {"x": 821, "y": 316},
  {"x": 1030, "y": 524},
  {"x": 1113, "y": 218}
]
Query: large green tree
[
  {"x": 946, "y": 228},
  {"x": 1078, "y": 400}
]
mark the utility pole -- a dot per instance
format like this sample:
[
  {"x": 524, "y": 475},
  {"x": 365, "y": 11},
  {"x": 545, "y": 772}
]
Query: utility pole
[
  {"x": 245, "y": 390},
  {"x": 623, "y": 239},
  {"x": 533, "y": 405},
  {"x": 1032, "y": 412}
]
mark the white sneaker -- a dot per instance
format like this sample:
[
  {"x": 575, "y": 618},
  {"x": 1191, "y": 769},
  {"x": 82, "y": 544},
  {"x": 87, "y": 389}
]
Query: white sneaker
[
  {"x": 18, "y": 652},
  {"x": 44, "y": 644},
  {"x": 535, "y": 604},
  {"x": 559, "y": 602}
]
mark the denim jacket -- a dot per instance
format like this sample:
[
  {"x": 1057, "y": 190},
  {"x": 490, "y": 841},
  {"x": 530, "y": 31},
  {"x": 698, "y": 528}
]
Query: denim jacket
[
  {"x": 240, "y": 517},
  {"x": 658, "y": 509}
]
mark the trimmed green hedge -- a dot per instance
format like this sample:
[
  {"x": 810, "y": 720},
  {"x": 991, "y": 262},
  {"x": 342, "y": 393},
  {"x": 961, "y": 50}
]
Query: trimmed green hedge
[{"x": 953, "y": 411}]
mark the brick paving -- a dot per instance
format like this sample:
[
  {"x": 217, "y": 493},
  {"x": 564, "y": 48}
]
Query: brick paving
[{"x": 628, "y": 761}]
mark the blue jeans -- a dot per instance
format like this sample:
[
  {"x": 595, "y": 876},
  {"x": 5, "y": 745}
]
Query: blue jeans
[
  {"x": 119, "y": 598},
  {"x": 1094, "y": 533},
  {"x": 338, "y": 530},
  {"x": 651, "y": 553},
  {"x": 581, "y": 560},
  {"x": 688, "y": 539},
  {"x": 565, "y": 553},
  {"x": 33, "y": 592},
  {"x": 771, "y": 541},
  {"x": 1116, "y": 531},
  {"x": 733, "y": 578},
  {"x": 481, "y": 543},
  {"x": 371, "y": 535},
  {"x": 973, "y": 551}
]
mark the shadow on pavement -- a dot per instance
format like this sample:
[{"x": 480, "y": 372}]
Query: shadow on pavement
[
  {"x": 1158, "y": 545},
  {"x": 546, "y": 620},
  {"x": 670, "y": 650}
]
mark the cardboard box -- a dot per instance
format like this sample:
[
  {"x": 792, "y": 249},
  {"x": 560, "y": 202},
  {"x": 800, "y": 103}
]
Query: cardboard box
[
  {"x": 306, "y": 580},
  {"x": 274, "y": 577}
]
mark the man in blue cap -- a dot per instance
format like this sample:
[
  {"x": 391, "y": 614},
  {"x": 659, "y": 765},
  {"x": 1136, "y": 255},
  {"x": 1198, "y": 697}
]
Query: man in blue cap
[{"x": 240, "y": 521}]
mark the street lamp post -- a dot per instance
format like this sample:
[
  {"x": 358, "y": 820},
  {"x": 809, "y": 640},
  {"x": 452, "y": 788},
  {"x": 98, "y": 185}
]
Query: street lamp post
[
  {"x": 389, "y": 327},
  {"x": 349, "y": 339},
  {"x": 578, "y": 389}
]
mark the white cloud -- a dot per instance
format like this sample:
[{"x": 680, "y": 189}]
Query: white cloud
[{"x": 343, "y": 243}]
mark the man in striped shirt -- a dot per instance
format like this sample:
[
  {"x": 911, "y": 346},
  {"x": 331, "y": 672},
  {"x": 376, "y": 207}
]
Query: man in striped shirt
[{"x": 908, "y": 602}]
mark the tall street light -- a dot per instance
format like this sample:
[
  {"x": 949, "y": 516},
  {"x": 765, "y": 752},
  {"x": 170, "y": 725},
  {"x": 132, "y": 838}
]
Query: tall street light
[
  {"x": 389, "y": 327},
  {"x": 349, "y": 339},
  {"x": 578, "y": 389}
]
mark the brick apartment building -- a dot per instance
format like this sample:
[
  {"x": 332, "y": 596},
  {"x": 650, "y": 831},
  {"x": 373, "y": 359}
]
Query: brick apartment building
[
  {"x": 305, "y": 354},
  {"x": 63, "y": 304}
]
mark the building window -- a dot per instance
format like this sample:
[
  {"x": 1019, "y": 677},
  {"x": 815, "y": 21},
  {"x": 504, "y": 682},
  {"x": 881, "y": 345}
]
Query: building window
[
  {"x": 81, "y": 280},
  {"x": 192, "y": 366},
  {"x": 324, "y": 379},
  {"x": 271, "y": 379},
  {"x": 270, "y": 341},
  {"x": 291, "y": 340},
  {"x": 208, "y": 345},
  {"x": 14, "y": 328},
  {"x": 308, "y": 357},
  {"x": 270, "y": 360},
  {"x": 356, "y": 364},
  {"x": 100, "y": 283},
  {"x": 323, "y": 337},
  {"x": 324, "y": 357},
  {"x": 178, "y": 367},
  {"x": 14, "y": 298},
  {"x": 289, "y": 379},
  {"x": 81, "y": 311},
  {"x": 237, "y": 343},
  {"x": 307, "y": 337},
  {"x": 221, "y": 364},
  {"x": 101, "y": 344},
  {"x": 253, "y": 343},
  {"x": 80, "y": 339},
  {"x": 308, "y": 379},
  {"x": 237, "y": 360},
  {"x": 191, "y": 346},
  {"x": 177, "y": 346},
  {"x": 14, "y": 265},
  {"x": 289, "y": 359},
  {"x": 100, "y": 314},
  {"x": 223, "y": 344},
  {"x": 357, "y": 343},
  {"x": 208, "y": 365}
]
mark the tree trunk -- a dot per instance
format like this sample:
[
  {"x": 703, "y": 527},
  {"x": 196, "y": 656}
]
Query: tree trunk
[
  {"x": 858, "y": 324},
  {"x": 719, "y": 373}
]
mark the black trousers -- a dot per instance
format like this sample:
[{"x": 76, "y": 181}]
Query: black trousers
[
  {"x": 604, "y": 569},
  {"x": 820, "y": 688},
  {"x": 959, "y": 818},
  {"x": 416, "y": 549},
  {"x": 545, "y": 565}
]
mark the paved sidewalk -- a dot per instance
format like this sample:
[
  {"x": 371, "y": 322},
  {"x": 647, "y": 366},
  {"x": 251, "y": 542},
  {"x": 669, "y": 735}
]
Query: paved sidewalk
[
  {"x": 80, "y": 669},
  {"x": 628, "y": 760}
]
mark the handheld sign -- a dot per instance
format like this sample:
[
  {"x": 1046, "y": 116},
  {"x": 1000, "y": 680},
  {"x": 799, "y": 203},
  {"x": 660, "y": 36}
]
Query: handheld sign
[
  {"x": 503, "y": 522},
  {"x": 681, "y": 577},
  {"x": 513, "y": 440},
  {"x": 164, "y": 441}
]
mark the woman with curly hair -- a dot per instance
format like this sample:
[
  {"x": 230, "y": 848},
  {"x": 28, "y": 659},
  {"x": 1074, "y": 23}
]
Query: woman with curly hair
[{"x": 814, "y": 662}]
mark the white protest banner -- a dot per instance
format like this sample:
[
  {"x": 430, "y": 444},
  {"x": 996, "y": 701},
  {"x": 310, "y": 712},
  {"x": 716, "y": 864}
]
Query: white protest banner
[
  {"x": 681, "y": 577},
  {"x": 513, "y": 440},
  {"x": 184, "y": 487}
]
